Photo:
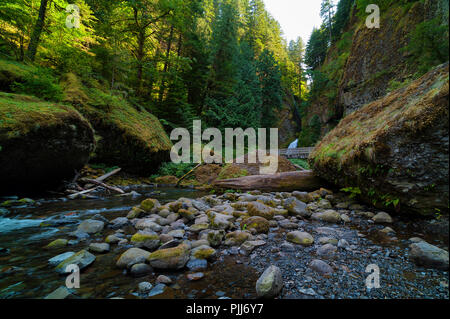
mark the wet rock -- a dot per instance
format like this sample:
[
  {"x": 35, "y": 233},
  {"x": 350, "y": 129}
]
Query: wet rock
[
  {"x": 329, "y": 216},
  {"x": 177, "y": 233},
  {"x": 60, "y": 293},
  {"x": 343, "y": 244},
  {"x": 286, "y": 224},
  {"x": 220, "y": 221},
  {"x": 54, "y": 261},
  {"x": 170, "y": 244},
  {"x": 157, "y": 290},
  {"x": 112, "y": 239},
  {"x": 198, "y": 227},
  {"x": 197, "y": 264},
  {"x": 135, "y": 212},
  {"x": 119, "y": 222},
  {"x": 147, "y": 223},
  {"x": 327, "y": 240},
  {"x": 161, "y": 279},
  {"x": 215, "y": 237},
  {"x": 259, "y": 224},
  {"x": 236, "y": 238},
  {"x": 142, "y": 239},
  {"x": 270, "y": 283},
  {"x": 200, "y": 242},
  {"x": 149, "y": 204},
  {"x": 91, "y": 226},
  {"x": 321, "y": 267},
  {"x": 204, "y": 252},
  {"x": 195, "y": 276},
  {"x": 303, "y": 196},
  {"x": 57, "y": 243},
  {"x": 382, "y": 218},
  {"x": 99, "y": 247},
  {"x": 144, "y": 287},
  {"x": 427, "y": 255},
  {"x": 170, "y": 258},
  {"x": 259, "y": 209},
  {"x": 345, "y": 218},
  {"x": 140, "y": 270},
  {"x": 287, "y": 247},
  {"x": 326, "y": 251},
  {"x": 247, "y": 247},
  {"x": 296, "y": 207},
  {"x": 300, "y": 238},
  {"x": 324, "y": 204},
  {"x": 82, "y": 259},
  {"x": 131, "y": 257}
]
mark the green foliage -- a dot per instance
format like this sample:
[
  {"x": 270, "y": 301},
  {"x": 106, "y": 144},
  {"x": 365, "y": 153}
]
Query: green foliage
[
  {"x": 173, "y": 169},
  {"x": 300, "y": 162},
  {"x": 310, "y": 134},
  {"x": 428, "y": 45},
  {"x": 41, "y": 83},
  {"x": 353, "y": 191}
]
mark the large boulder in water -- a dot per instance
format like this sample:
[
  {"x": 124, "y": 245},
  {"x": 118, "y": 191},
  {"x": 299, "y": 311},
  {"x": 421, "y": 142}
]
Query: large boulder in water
[
  {"x": 128, "y": 136},
  {"x": 41, "y": 143},
  {"x": 394, "y": 151}
]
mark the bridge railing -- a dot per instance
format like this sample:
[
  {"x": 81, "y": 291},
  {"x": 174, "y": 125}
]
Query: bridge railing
[{"x": 302, "y": 152}]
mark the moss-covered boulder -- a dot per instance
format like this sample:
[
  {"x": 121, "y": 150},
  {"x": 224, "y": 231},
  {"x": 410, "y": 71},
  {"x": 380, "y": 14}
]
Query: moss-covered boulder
[
  {"x": 149, "y": 204},
  {"x": 128, "y": 136},
  {"x": 259, "y": 209},
  {"x": 259, "y": 224},
  {"x": 170, "y": 258},
  {"x": 41, "y": 143},
  {"x": 394, "y": 152}
]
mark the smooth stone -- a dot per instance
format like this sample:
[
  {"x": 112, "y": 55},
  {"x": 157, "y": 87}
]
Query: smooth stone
[
  {"x": 140, "y": 270},
  {"x": 195, "y": 276},
  {"x": 145, "y": 287},
  {"x": 197, "y": 264},
  {"x": 82, "y": 259},
  {"x": 270, "y": 283},
  {"x": 60, "y": 293},
  {"x": 159, "y": 289},
  {"x": 321, "y": 267},
  {"x": 91, "y": 226},
  {"x": 161, "y": 279},
  {"x": 429, "y": 256},
  {"x": 99, "y": 247},
  {"x": 382, "y": 218},
  {"x": 54, "y": 261},
  {"x": 301, "y": 238},
  {"x": 131, "y": 257}
]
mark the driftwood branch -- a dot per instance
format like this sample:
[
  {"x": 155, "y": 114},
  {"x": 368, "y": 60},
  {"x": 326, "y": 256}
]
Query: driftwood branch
[
  {"x": 96, "y": 182},
  {"x": 75, "y": 195},
  {"x": 107, "y": 175},
  {"x": 187, "y": 174}
]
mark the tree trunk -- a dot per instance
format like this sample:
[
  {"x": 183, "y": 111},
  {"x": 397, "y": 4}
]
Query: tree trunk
[
  {"x": 34, "y": 41},
  {"x": 140, "y": 57},
  {"x": 289, "y": 181},
  {"x": 166, "y": 66}
]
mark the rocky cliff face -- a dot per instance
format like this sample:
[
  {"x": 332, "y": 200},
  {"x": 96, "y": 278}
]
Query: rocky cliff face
[
  {"x": 394, "y": 152},
  {"x": 41, "y": 143}
]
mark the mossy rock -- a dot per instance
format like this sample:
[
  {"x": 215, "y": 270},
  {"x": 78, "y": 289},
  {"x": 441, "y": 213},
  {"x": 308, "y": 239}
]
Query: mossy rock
[
  {"x": 259, "y": 224},
  {"x": 148, "y": 204},
  {"x": 48, "y": 141},
  {"x": 57, "y": 243},
  {"x": 170, "y": 258}
]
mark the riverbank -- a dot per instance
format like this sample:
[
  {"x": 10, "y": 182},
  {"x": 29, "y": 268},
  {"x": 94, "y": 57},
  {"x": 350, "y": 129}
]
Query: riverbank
[{"x": 223, "y": 254}]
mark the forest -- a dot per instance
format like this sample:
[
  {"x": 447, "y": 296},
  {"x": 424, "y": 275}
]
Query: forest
[{"x": 90, "y": 91}]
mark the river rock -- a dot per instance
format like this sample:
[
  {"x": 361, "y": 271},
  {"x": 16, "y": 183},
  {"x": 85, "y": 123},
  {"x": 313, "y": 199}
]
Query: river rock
[
  {"x": 260, "y": 209},
  {"x": 90, "y": 226},
  {"x": 131, "y": 257},
  {"x": 58, "y": 243},
  {"x": 147, "y": 223},
  {"x": 236, "y": 238},
  {"x": 321, "y": 267},
  {"x": 145, "y": 287},
  {"x": 220, "y": 221},
  {"x": 259, "y": 224},
  {"x": 135, "y": 212},
  {"x": 382, "y": 218},
  {"x": 326, "y": 251},
  {"x": 195, "y": 264},
  {"x": 149, "y": 204},
  {"x": 82, "y": 259},
  {"x": 195, "y": 276},
  {"x": 296, "y": 207},
  {"x": 99, "y": 247},
  {"x": 119, "y": 222},
  {"x": 170, "y": 258},
  {"x": 161, "y": 279},
  {"x": 112, "y": 239},
  {"x": 270, "y": 283},
  {"x": 427, "y": 255},
  {"x": 204, "y": 252},
  {"x": 301, "y": 238},
  {"x": 329, "y": 216},
  {"x": 149, "y": 240},
  {"x": 247, "y": 247},
  {"x": 60, "y": 293},
  {"x": 215, "y": 237},
  {"x": 54, "y": 261},
  {"x": 140, "y": 270}
]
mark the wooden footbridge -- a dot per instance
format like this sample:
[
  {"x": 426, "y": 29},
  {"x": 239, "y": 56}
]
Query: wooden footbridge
[{"x": 302, "y": 152}]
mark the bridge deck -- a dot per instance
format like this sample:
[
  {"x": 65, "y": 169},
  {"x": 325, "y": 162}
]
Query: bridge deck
[{"x": 302, "y": 152}]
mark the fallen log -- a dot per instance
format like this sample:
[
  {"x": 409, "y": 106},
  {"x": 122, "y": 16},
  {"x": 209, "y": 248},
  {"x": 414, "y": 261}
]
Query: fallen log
[
  {"x": 107, "y": 175},
  {"x": 288, "y": 181},
  {"x": 96, "y": 182},
  {"x": 187, "y": 174},
  {"x": 75, "y": 195}
]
